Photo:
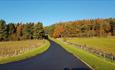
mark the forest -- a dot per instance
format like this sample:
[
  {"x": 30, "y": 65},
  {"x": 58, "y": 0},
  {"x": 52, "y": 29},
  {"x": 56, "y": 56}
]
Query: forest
[
  {"x": 83, "y": 28},
  {"x": 80, "y": 28},
  {"x": 20, "y": 31}
]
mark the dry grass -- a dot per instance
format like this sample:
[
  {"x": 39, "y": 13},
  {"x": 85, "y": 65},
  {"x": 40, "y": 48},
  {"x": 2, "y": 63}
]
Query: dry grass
[{"x": 13, "y": 48}]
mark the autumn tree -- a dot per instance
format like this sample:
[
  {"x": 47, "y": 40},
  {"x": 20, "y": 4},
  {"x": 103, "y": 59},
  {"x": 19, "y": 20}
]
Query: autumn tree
[
  {"x": 19, "y": 30},
  {"x": 84, "y": 28},
  {"x": 58, "y": 31}
]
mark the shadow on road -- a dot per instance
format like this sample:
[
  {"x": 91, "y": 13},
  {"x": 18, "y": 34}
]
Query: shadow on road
[{"x": 76, "y": 69}]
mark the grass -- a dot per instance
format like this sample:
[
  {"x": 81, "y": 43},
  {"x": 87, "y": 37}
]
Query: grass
[
  {"x": 97, "y": 63},
  {"x": 18, "y": 50},
  {"x": 106, "y": 45}
]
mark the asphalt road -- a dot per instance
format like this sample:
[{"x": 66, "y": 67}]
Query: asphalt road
[{"x": 56, "y": 58}]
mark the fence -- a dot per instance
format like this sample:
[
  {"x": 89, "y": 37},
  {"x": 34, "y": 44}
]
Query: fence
[{"x": 94, "y": 51}]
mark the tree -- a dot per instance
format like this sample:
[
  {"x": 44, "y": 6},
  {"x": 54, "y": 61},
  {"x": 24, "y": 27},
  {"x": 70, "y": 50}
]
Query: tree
[
  {"x": 50, "y": 30},
  {"x": 3, "y": 30},
  {"x": 112, "y": 22},
  {"x": 38, "y": 31},
  {"x": 11, "y": 31},
  {"x": 28, "y": 31},
  {"x": 58, "y": 31},
  {"x": 19, "y": 28},
  {"x": 84, "y": 28}
]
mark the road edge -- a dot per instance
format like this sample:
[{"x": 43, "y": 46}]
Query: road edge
[{"x": 75, "y": 56}]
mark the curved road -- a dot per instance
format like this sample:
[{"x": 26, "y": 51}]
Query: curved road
[{"x": 56, "y": 58}]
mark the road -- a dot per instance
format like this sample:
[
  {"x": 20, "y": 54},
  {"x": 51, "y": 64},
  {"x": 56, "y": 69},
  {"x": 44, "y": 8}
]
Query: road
[{"x": 56, "y": 58}]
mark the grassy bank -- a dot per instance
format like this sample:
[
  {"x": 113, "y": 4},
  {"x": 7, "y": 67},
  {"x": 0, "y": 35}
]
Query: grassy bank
[
  {"x": 96, "y": 62},
  {"x": 18, "y": 50},
  {"x": 106, "y": 45}
]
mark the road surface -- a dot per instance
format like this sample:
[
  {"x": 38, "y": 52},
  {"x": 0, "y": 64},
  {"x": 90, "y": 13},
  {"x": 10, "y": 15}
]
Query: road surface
[{"x": 56, "y": 58}]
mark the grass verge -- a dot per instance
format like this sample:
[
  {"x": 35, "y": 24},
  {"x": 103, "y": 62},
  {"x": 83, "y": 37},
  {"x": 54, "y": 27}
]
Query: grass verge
[
  {"x": 96, "y": 62},
  {"x": 27, "y": 54}
]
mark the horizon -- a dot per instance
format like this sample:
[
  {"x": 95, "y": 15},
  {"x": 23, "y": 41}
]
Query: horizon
[{"x": 54, "y": 11}]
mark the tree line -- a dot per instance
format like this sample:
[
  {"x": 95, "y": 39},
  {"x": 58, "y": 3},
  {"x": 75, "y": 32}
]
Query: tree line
[
  {"x": 21, "y": 31},
  {"x": 83, "y": 28}
]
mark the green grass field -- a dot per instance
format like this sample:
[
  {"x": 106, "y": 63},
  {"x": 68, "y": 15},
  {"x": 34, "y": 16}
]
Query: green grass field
[
  {"x": 103, "y": 44},
  {"x": 94, "y": 61},
  {"x": 18, "y": 50}
]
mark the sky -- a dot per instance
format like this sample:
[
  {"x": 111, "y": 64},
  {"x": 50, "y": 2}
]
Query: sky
[{"x": 53, "y": 11}]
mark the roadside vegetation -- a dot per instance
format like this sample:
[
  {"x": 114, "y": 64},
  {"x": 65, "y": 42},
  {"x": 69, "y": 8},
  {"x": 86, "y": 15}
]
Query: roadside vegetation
[
  {"x": 106, "y": 45},
  {"x": 92, "y": 40},
  {"x": 21, "y": 40},
  {"x": 18, "y": 50},
  {"x": 94, "y": 61}
]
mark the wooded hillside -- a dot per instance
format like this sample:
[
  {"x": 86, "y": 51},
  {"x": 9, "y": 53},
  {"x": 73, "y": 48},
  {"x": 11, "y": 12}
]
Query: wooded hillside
[{"x": 83, "y": 28}]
